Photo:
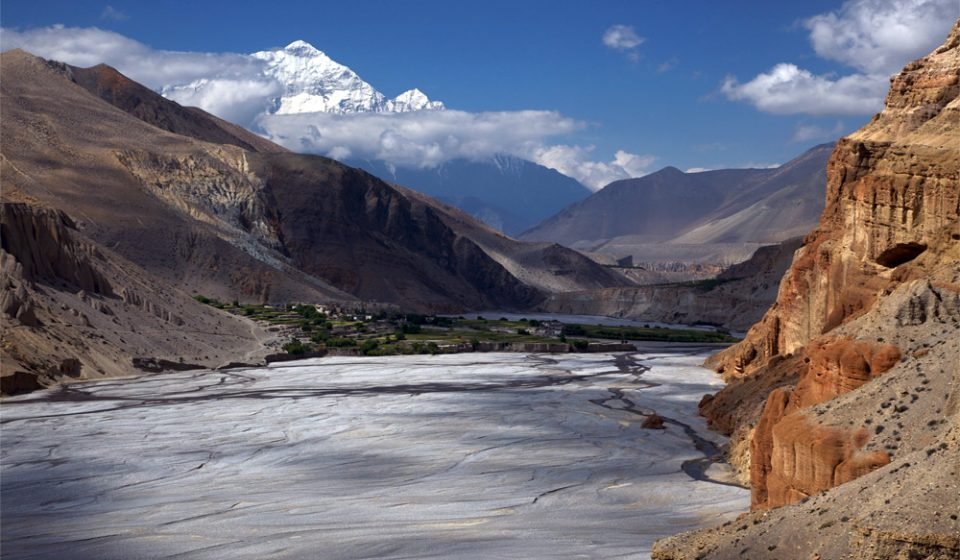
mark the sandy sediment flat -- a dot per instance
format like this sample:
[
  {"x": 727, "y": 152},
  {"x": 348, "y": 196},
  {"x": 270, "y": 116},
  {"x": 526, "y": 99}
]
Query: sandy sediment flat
[{"x": 451, "y": 456}]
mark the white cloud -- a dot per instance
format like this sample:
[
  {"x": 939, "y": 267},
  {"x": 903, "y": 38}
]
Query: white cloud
[
  {"x": 113, "y": 14},
  {"x": 239, "y": 100},
  {"x": 417, "y": 139},
  {"x": 719, "y": 166},
  {"x": 787, "y": 89},
  {"x": 874, "y": 37},
  {"x": 88, "y": 46},
  {"x": 575, "y": 161},
  {"x": 426, "y": 139},
  {"x": 622, "y": 38},
  {"x": 880, "y": 36},
  {"x": 235, "y": 88}
]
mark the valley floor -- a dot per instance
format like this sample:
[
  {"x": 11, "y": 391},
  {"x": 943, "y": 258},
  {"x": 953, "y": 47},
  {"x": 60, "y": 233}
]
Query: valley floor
[{"x": 466, "y": 456}]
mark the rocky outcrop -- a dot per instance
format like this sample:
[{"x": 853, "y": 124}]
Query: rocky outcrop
[
  {"x": 891, "y": 187},
  {"x": 893, "y": 200},
  {"x": 216, "y": 187},
  {"x": 39, "y": 240},
  {"x": 844, "y": 402},
  {"x": 793, "y": 457},
  {"x": 61, "y": 319}
]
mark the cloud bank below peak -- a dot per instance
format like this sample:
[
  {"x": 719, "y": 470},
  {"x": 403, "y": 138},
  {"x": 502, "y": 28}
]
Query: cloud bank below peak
[
  {"x": 236, "y": 87},
  {"x": 875, "y": 38}
]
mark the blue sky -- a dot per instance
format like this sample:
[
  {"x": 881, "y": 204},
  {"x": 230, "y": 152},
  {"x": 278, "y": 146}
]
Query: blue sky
[{"x": 689, "y": 84}]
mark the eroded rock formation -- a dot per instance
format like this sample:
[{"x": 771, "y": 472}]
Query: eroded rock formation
[
  {"x": 891, "y": 187},
  {"x": 61, "y": 318},
  {"x": 792, "y": 456},
  {"x": 852, "y": 374},
  {"x": 40, "y": 241}
]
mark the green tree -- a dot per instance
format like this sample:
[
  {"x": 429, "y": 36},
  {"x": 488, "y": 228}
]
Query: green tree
[
  {"x": 295, "y": 347},
  {"x": 369, "y": 346}
]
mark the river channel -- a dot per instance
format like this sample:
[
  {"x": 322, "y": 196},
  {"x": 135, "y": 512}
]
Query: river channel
[{"x": 451, "y": 456}]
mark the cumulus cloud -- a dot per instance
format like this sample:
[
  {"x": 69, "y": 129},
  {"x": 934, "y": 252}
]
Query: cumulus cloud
[
  {"x": 239, "y": 100},
  {"x": 873, "y": 37},
  {"x": 880, "y": 36},
  {"x": 576, "y": 162},
  {"x": 621, "y": 37},
  {"x": 233, "y": 86},
  {"x": 419, "y": 138},
  {"x": 787, "y": 89},
  {"x": 425, "y": 139}
]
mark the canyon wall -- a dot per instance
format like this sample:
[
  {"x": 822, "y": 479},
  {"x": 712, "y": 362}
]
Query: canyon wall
[
  {"x": 853, "y": 372},
  {"x": 891, "y": 187}
]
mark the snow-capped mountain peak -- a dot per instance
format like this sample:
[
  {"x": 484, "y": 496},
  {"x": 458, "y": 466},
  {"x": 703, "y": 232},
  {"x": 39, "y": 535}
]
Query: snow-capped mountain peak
[
  {"x": 414, "y": 100},
  {"x": 313, "y": 82},
  {"x": 302, "y": 48}
]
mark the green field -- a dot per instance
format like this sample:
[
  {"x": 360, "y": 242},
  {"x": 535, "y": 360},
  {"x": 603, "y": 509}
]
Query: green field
[{"x": 399, "y": 333}]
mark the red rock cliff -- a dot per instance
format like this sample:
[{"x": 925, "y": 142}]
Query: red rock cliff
[
  {"x": 891, "y": 187},
  {"x": 892, "y": 204}
]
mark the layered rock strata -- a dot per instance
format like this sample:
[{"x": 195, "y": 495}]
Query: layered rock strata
[{"x": 844, "y": 401}]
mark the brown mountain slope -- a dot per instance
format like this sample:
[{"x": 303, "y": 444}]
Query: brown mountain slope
[
  {"x": 122, "y": 92},
  {"x": 185, "y": 211},
  {"x": 240, "y": 224},
  {"x": 545, "y": 267},
  {"x": 231, "y": 222},
  {"x": 845, "y": 399}
]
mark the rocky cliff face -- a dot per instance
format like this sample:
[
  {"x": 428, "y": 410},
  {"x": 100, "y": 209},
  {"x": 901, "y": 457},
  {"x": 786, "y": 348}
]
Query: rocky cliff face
[
  {"x": 72, "y": 310},
  {"x": 891, "y": 188},
  {"x": 851, "y": 376},
  {"x": 39, "y": 240}
]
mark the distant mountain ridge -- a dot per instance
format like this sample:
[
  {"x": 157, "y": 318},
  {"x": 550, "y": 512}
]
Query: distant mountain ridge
[
  {"x": 693, "y": 215},
  {"x": 507, "y": 193}
]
